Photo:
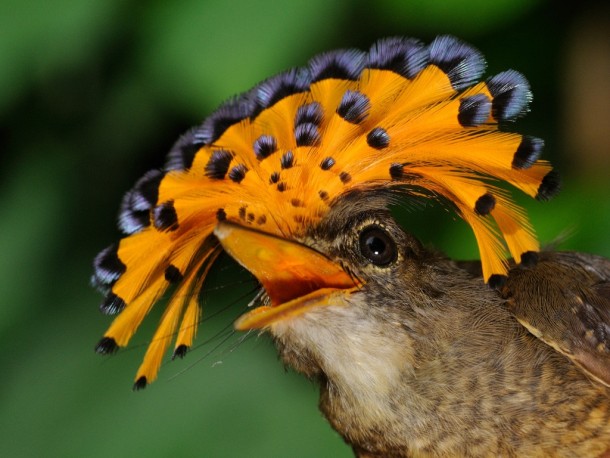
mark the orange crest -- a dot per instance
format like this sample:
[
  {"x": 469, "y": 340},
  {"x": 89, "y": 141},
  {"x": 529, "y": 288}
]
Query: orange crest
[{"x": 404, "y": 116}]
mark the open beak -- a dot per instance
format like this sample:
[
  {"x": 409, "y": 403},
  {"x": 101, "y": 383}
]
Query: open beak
[{"x": 296, "y": 278}]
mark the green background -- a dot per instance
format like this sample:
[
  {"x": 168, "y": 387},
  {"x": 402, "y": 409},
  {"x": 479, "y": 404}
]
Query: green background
[{"x": 93, "y": 94}]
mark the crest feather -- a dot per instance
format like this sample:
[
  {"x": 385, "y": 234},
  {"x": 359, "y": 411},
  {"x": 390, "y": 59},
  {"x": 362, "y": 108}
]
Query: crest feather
[{"x": 404, "y": 116}]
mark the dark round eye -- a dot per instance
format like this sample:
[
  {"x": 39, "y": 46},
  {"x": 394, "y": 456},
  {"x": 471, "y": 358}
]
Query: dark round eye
[{"x": 377, "y": 246}]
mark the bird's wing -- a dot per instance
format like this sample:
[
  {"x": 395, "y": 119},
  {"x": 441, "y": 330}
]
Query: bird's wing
[{"x": 564, "y": 300}]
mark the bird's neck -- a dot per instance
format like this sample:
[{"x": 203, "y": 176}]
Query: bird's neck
[
  {"x": 360, "y": 363},
  {"x": 382, "y": 369}
]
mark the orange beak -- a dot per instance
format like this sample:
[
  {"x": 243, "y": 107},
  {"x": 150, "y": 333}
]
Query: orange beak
[{"x": 295, "y": 277}]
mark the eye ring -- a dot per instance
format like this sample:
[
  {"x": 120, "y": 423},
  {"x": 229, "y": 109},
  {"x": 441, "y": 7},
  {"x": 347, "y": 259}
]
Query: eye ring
[{"x": 377, "y": 246}]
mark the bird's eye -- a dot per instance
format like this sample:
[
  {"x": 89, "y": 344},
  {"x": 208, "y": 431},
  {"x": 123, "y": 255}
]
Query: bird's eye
[{"x": 377, "y": 246}]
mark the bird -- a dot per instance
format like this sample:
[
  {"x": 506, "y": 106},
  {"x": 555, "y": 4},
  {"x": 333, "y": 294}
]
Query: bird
[{"x": 415, "y": 354}]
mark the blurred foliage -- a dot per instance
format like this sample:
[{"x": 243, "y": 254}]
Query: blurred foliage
[
  {"x": 92, "y": 94},
  {"x": 456, "y": 16}
]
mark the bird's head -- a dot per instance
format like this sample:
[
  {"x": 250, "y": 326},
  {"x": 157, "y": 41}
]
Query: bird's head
[
  {"x": 334, "y": 300},
  {"x": 356, "y": 245},
  {"x": 293, "y": 180}
]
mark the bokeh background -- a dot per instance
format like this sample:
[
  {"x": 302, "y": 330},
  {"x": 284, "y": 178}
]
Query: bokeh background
[{"x": 93, "y": 94}]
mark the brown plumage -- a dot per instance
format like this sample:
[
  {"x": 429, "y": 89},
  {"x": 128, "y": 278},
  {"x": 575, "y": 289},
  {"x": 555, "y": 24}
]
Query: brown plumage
[{"x": 426, "y": 360}]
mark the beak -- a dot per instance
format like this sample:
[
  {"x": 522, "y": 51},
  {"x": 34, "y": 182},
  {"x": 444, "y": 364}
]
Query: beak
[{"x": 295, "y": 277}]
